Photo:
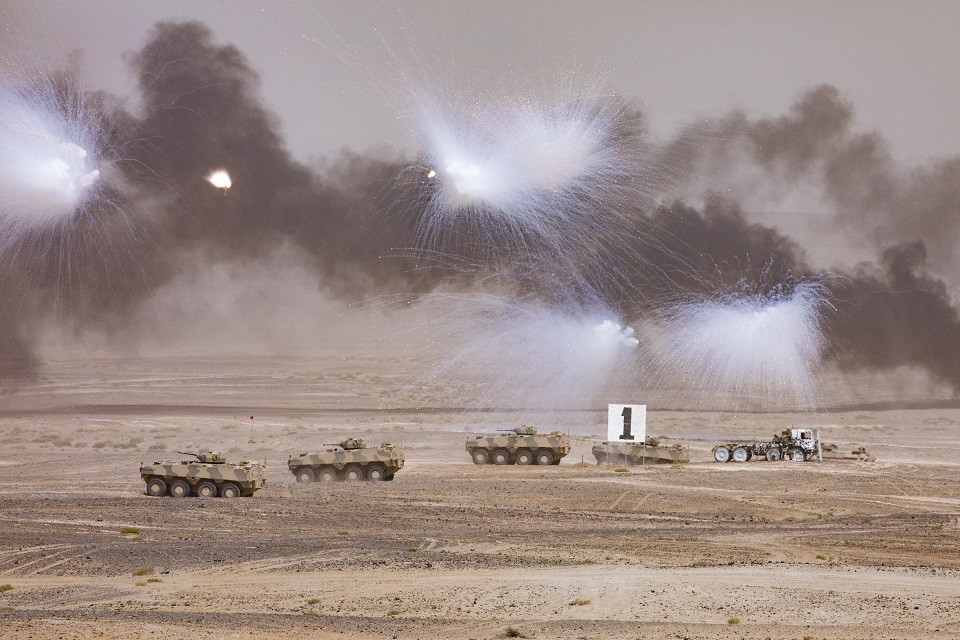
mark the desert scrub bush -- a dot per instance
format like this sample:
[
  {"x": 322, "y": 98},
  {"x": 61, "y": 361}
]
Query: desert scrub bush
[
  {"x": 309, "y": 613},
  {"x": 733, "y": 621},
  {"x": 144, "y": 571},
  {"x": 100, "y": 445},
  {"x": 937, "y": 527},
  {"x": 820, "y": 556},
  {"x": 313, "y": 601},
  {"x": 513, "y": 633},
  {"x": 579, "y": 602},
  {"x": 154, "y": 580},
  {"x": 140, "y": 584},
  {"x": 621, "y": 470},
  {"x": 5, "y": 587},
  {"x": 412, "y": 550},
  {"x": 392, "y": 612},
  {"x": 588, "y": 561},
  {"x": 129, "y": 530}
]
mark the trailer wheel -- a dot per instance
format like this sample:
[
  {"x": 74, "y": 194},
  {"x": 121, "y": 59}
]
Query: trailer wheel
[
  {"x": 480, "y": 456},
  {"x": 773, "y": 454},
  {"x": 740, "y": 454},
  {"x": 501, "y": 456},
  {"x": 797, "y": 455},
  {"x": 524, "y": 457},
  {"x": 721, "y": 454}
]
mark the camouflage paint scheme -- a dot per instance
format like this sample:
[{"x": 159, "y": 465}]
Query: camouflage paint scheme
[
  {"x": 636, "y": 453},
  {"x": 798, "y": 445},
  {"x": 350, "y": 460},
  {"x": 520, "y": 446},
  {"x": 208, "y": 476}
]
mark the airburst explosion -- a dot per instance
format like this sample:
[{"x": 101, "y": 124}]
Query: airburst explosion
[
  {"x": 48, "y": 157},
  {"x": 555, "y": 223}
]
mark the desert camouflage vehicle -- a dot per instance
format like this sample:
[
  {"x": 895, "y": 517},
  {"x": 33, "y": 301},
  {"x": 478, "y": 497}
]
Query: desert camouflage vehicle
[
  {"x": 520, "y": 445},
  {"x": 350, "y": 460},
  {"x": 208, "y": 476},
  {"x": 635, "y": 453}
]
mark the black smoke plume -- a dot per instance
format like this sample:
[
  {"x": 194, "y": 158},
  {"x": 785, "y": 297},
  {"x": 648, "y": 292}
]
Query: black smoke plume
[{"x": 354, "y": 219}]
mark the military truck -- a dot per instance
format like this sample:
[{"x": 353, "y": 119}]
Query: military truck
[
  {"x": 650, "y": 451},
  {"x": 207, "y": 475},
  {"x": 349, "y": 461},
  {"x": 793, "y": 444},
  {"x": 520, "y": 445}
]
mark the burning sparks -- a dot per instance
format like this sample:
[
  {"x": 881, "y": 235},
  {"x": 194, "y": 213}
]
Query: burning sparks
[{"x": 220, "y": 179}]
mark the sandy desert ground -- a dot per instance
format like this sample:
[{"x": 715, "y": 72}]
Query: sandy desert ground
[{"x": 838, "y": 549}]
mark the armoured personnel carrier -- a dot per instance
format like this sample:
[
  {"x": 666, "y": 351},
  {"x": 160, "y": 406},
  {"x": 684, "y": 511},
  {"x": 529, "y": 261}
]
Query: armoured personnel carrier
[
  {"x": 208, "y": 475},
  {"x": 521, "y": 445},
  {"x": 349, "y": 461},
  {"x": 650, "y": 451}
]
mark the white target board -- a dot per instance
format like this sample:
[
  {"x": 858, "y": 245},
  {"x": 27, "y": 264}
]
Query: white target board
[{"x": 626, "y": 422}]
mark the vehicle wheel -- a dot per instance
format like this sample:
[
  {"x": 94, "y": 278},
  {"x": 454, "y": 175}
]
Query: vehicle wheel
[
  {"x": 774, "y": 454},
  {"x": 524, "y": 457},
  {"x": 156, "y": 487},
  {"x": 353, "y": 473},
  {"x": 721, "y": 454},
  {"x": 480, "y": 456},
  {"x": 500, "y": 456},
  {"x": 179, "y": 489},
  {"x": 229, "y": 490},
  {"x": 305, "y": 474},
  {"x": 544, "y": 458},
  {"x": 602, "y": 458},
  {"x": 797, "y": 455},
  {"x": 327, "y": 475},
  {"x": 206, "y": 490},
  {"x": 376, "y": 473},
  {"x": 740, "y": 454}
]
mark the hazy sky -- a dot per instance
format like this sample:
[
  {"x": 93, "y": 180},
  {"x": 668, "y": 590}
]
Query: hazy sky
[{"x": 330, "y": 69}]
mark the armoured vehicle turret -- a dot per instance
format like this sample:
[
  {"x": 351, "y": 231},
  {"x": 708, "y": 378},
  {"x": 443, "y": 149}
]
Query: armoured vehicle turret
[
  {"x": 207, "y": 475},
  {"x": 520, "y": 445},
  {"x": 349, "y": 460},
  {"x": 650, "y": 451}
]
